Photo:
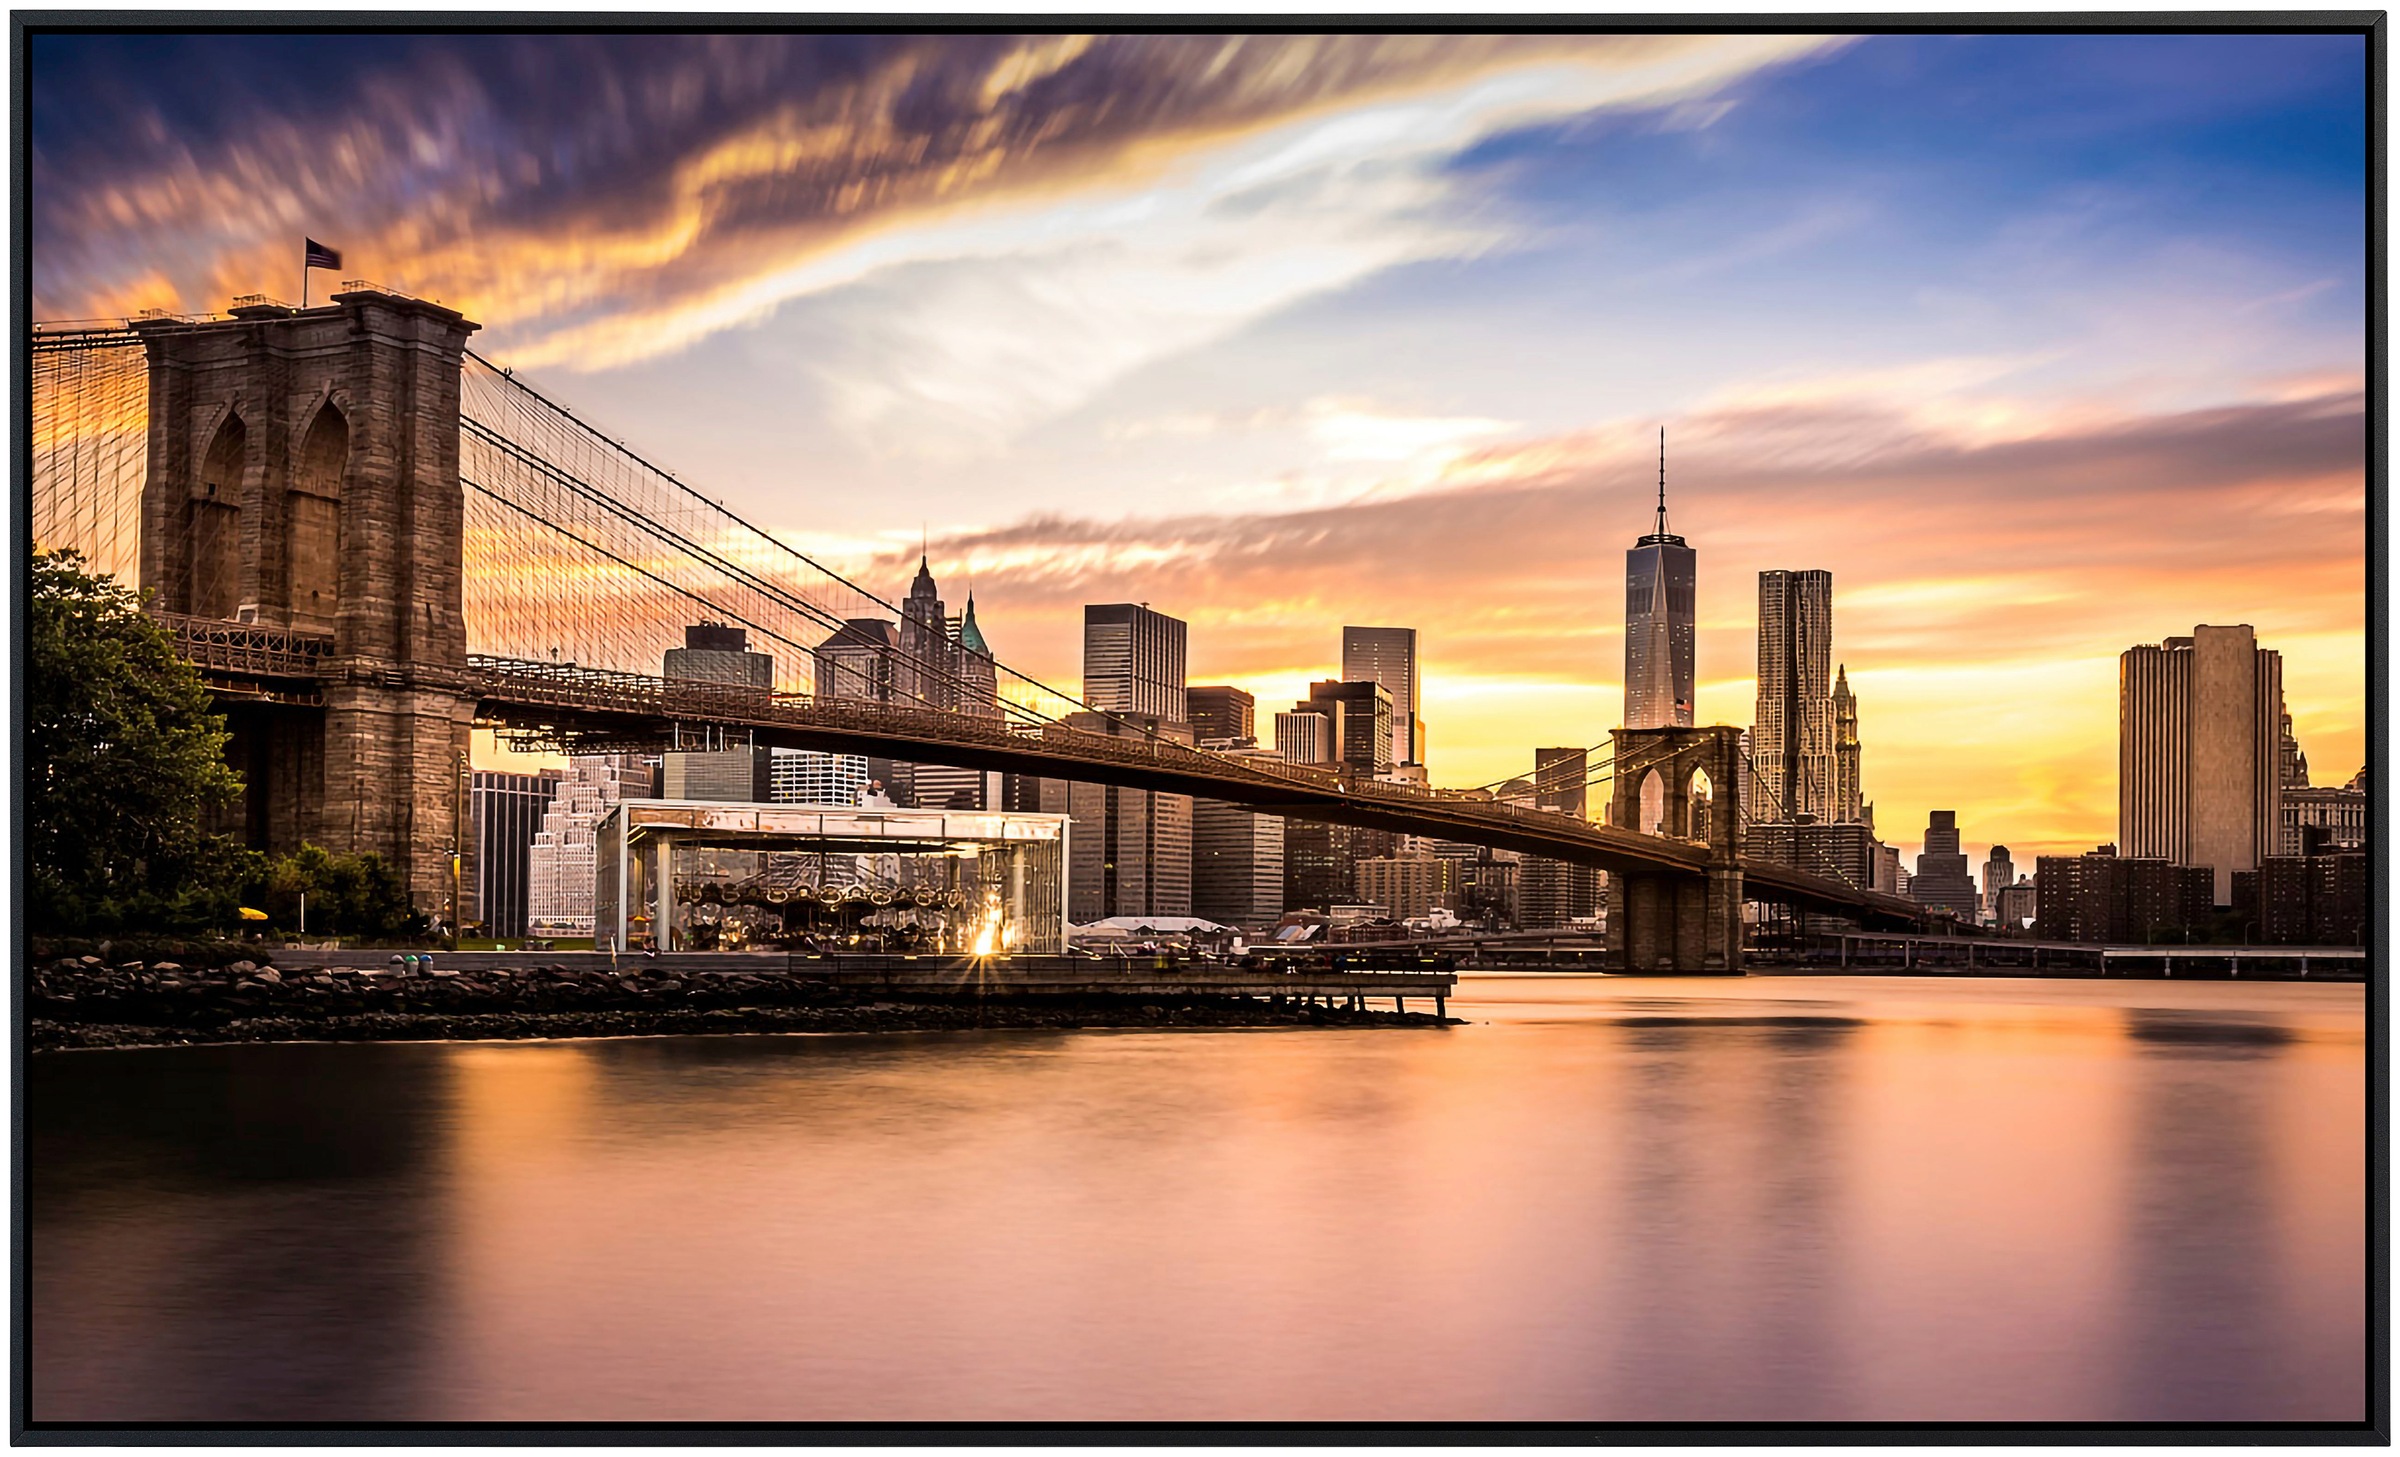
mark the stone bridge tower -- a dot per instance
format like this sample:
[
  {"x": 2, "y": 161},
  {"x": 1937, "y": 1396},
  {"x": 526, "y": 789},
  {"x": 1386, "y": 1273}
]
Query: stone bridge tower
[
  {"x": 1662, "y": 922},
  {"x": 303, "y": 492}
]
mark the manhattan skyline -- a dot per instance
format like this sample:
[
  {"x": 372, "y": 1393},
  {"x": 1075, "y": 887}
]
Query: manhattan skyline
[{"x": 2043, "y": 346}]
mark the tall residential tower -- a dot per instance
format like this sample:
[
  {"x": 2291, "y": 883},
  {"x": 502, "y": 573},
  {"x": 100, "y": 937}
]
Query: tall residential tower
[{"x": 1793, "y": 737}]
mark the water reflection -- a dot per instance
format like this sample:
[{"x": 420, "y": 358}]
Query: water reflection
[
  {"x": 1604, "y": 1200},
  {"x": 211, "y": 1243},
  {"x": 2201, "y": 1215},
  {"x": 1715, "y": 1323}
]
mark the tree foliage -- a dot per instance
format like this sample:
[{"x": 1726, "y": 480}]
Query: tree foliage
[
  {"x": 348, "y": 895},
  {"x": 124, "y": 762}
]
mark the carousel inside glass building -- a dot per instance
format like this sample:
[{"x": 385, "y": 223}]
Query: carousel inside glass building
[{"x": 692, "y": 876}]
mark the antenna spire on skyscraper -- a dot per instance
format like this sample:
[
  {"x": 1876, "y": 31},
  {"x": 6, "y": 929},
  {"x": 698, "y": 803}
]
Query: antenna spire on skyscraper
[{"x": 1662, "y": 480}]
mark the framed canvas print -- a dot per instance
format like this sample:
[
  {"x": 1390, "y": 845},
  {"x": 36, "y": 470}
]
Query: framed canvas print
[{"x": 1006, "y": 729}]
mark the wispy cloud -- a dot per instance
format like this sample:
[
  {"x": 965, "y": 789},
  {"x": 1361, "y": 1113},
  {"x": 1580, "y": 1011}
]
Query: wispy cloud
[{"x": 597, "y": 200}]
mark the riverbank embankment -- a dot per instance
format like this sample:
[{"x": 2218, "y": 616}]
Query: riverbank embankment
[{"x": 85, "y": 1002}]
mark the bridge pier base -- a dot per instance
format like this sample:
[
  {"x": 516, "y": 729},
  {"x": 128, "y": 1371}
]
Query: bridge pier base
[
  {"x": 394, "y": 765},
  {"x": 1669, "y": 925}
]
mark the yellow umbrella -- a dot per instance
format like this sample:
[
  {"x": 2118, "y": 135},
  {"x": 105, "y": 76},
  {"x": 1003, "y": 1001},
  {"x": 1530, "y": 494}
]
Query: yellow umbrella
[{"x": 251, "y": 915}]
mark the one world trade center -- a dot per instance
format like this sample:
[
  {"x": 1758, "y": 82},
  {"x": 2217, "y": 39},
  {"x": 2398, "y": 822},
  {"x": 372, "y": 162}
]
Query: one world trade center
[{"x": 1661, "y": 585}]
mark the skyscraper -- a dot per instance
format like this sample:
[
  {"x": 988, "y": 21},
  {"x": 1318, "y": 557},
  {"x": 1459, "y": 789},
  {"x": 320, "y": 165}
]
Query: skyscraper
[
  {"x": 1320, "y": 861},
  {"x": 1941, "y": 881},
  {"x": 1848, "y": 804},
  {"x": 1999, "y": 873},
  {"x": 923, "y": 672},
  {"x": 1661, "y": 608},
  {"x": 928, "y": 659},
  {"x": 978, "y": 672},
  {"x": 811, "y": 776},
  {"x": 728, "y": 766},
  {"x": 1559, "y": 779},
  {"x": 1221, "y": 712},
  {"x": 856, "y": 661},
  {"x": 2199, "y": 771},
  {"x": 1792, "y": 739},
  {"x": 1237, "y": 857},
  {"x": 1554, "y": 892},
  {"x": 1130, "y": 852},
  {"x": 561, "y": 876},
  {"x": 1305, "y": 736},
  {"x": 1388, "y": 655},
  {"x": 973, "y": 689},
  {"x": 1133, "y": 661},
  {"x": 1361, "y": 711}
]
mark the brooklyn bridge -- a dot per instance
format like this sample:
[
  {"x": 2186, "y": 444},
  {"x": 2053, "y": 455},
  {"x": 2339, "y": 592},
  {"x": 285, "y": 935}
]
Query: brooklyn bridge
[{"x": 371, "y": 540}]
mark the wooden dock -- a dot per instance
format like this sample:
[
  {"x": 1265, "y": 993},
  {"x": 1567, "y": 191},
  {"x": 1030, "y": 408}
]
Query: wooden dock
[{"x": 996, "y": 976}]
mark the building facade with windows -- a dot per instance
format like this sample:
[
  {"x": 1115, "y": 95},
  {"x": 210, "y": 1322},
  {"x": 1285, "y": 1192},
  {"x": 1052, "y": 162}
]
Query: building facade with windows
[
  {"x": 1133, "y": 662},
  {"x": 2199, "y": 757},
  {"x": 507, "y": 810},
  {"x": 1360, "y": 717},
  {"x": 1388, "y": 655},
  {"x": 1794, "y": 734},
  {"x": 560, "y": 866},
  {"x": 1220, "y": 711}
]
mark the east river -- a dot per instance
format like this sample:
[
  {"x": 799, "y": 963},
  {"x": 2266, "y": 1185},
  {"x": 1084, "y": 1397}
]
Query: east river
[{"x": 1775, "y": 1198}]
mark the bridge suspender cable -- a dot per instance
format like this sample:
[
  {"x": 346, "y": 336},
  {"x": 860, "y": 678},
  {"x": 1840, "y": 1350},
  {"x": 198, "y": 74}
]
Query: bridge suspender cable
[{"x": 561, "y": 414}]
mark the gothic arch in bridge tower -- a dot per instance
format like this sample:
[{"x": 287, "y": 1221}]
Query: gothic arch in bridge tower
[
  {"x": 213, "y": 523},
  {"x": 312, "y": 528},
  {"x": 1653, "y": 800}
]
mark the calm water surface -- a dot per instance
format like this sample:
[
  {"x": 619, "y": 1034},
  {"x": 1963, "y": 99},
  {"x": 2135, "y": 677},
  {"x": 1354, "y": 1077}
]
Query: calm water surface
[{"x": 1607, "y": 1199}]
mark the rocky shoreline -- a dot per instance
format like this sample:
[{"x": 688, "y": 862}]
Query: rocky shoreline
[{"x": 85, "y": 1003}]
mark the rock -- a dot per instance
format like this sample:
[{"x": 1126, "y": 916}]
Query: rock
[
  {"x": 269, "y": 975},
  {"x": 88, "y": 963},
  {"x": 242, "y": 968},
  {"x": 439, "y": 971},
  {"x": 167, "y": 968},
  {"x": 670, "y": 985}
]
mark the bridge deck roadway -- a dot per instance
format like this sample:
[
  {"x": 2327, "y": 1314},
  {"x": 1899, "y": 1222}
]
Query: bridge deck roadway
[{"x": 571, "y": 705}]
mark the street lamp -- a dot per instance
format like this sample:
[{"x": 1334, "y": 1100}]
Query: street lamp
[{"x": 458, "y": 835}]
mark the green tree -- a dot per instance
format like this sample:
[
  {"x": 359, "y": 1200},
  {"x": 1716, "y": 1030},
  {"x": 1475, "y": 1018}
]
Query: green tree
[
  {"x": 348, "y": 895},
  {"x": 124, "y": 761}
]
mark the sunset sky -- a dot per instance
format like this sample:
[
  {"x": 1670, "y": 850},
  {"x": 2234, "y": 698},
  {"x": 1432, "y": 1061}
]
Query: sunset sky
[{"x": 2044, "y": 346}]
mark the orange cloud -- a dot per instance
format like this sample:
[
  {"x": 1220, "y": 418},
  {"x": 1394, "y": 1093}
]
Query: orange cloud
[
  {"x": 1982, "y": 591},
  {"x": 587, "y": 199}
]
